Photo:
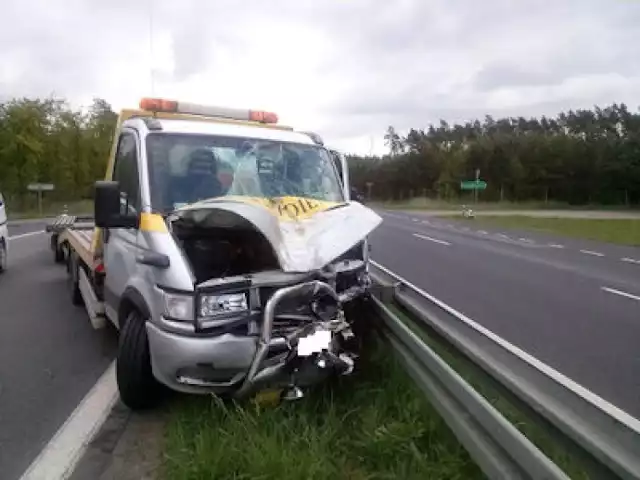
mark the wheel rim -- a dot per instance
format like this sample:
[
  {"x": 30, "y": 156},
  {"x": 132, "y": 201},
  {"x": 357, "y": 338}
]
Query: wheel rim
[{"x": 3, "y": 257}]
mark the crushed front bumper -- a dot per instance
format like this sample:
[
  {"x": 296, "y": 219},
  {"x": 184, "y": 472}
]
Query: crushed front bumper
[{"x": 242, "y": 364}]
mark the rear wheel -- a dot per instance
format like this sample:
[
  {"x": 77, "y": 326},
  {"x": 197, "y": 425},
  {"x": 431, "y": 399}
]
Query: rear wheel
[
  {"x": 58, "y": 253},
  {"x": 73, "y": 280},
  {"x": 139, "y": 390},
  {"x": 3, "y": 256}
]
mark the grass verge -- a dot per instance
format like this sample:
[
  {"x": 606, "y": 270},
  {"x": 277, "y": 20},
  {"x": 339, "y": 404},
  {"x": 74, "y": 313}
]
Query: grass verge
[
  {"x": 421, "y": 203},
  {"x": 567, "y": 455},
  {"x": 620, "y": 231},
  {"x": 374, "y": 424},
  {"x": 52, "y": 209}
]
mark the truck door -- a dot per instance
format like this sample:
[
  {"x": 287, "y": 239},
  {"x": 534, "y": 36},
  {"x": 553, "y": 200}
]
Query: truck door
[{"x": 120, "y": 246}]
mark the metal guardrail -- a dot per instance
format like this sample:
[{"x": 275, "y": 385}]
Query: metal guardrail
[{"x": 608, "y": 437}]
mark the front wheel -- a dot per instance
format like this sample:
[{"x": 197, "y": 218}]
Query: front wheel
[{"x": 138, "y": 387}]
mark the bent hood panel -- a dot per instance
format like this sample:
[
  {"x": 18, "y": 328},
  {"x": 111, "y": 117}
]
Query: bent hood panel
[{"x": 305, "y": 234}]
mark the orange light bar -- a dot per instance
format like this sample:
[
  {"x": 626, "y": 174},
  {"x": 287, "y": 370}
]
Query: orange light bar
[
  {"x": 158, "y": 105},
  {"x": 263, "y": 117},
  {"x": 172, "y": 106}
]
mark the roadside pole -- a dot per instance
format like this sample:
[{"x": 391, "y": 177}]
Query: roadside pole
[{"x": 39, "y": 188}]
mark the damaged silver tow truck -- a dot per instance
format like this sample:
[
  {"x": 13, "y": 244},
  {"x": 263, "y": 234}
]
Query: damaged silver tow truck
[{"x": 227, "y": 252}]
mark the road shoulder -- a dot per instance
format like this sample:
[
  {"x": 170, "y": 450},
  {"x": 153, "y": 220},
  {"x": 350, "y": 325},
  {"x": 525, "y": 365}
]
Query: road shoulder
[{"x": 129, "y": 446}]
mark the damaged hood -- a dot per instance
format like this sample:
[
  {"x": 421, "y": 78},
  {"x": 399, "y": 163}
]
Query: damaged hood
[{"x": 306, "y": 234}]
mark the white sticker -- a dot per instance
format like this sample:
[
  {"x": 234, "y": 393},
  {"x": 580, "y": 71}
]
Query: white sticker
[{"x": 314, "y": 343}]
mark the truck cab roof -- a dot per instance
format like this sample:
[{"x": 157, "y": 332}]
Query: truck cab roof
[
  {"x": 217, "y": 127},
  {"x": 157, "y": 114}
]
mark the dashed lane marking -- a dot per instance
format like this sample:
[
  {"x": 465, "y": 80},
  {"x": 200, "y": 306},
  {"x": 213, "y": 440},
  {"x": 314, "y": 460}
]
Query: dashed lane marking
[
  {"x": 591, "y": 252},
  {"x": 430, "y": 239}
]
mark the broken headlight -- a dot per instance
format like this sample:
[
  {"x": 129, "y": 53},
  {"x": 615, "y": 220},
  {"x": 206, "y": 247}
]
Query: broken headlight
[{"x": 212, "y": 305}]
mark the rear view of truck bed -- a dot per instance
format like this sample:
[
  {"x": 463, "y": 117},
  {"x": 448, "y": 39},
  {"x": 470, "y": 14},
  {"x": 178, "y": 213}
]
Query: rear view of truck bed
[{"x": 71, "y": 232}]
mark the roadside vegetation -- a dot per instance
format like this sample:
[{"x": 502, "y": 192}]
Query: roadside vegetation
[
  {"x": 427, "y": 204},
  {"x": 620, "y": 231},
  {"x": 48, "y": 141},
  {"x": 579, "y": 157},
  {"x": 375, "y": 424},
  {"x": 51, "y": 209}
]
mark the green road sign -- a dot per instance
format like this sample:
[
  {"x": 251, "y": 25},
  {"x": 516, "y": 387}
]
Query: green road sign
[{"x": 473, "y": 185}]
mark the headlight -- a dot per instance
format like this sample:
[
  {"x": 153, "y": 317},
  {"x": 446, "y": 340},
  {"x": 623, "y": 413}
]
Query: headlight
[
  {"x": 178, "y": 307},
  {"x": 213, "y": 305}
]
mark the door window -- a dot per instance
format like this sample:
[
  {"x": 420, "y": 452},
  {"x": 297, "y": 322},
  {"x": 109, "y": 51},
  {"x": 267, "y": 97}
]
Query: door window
[{"x": 126, "y": 173}]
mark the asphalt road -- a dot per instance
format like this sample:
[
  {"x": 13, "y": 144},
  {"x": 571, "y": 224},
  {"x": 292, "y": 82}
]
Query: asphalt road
[
  {"x": 50, "y": 357},
  {"x": 545, "y": 294},
  {"x": 561, "y": 300}
]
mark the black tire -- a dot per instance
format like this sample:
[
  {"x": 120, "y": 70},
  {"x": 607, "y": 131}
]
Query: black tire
[
  {"x": 3, "y": 256},
  {"x": 73, "y": 281},
  {"x": 58, "y": 254},
  {"x": 139, "y": 390}
]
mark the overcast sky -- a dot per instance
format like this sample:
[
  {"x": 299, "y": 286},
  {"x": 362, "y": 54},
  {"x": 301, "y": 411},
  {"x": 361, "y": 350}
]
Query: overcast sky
[{"x": 346, "y": 69}]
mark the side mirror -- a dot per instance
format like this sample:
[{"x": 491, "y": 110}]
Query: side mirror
[
  {"x": 106, "y": 209},
  {"x": 343, "y": 170}
]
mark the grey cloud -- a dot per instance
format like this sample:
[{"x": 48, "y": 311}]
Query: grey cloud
[
  {"x": 498, "y": 75},
  {"x": 406, "y": 63}
]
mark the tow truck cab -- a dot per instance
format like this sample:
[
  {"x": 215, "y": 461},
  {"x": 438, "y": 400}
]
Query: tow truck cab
[{"x": 226, "y": 252}]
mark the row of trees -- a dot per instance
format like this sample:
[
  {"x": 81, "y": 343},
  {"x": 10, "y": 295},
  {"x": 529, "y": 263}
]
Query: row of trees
[
  {"x": 582, "y": 156},
  {"x": 46, "y": 141}
]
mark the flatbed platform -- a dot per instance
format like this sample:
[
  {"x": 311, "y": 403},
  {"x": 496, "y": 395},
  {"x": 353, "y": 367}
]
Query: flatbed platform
[{"x": 71, "y": 232}]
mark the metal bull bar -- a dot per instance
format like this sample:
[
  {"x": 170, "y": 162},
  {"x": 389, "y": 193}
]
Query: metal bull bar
[{"x": 310, "y": 289}]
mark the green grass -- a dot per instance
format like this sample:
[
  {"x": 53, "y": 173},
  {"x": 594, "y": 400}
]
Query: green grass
[
  {"x": 50, "y": 209},
  {"x": 422, "y": 203},
  {"x": 620, "y": 231},
  {"x": 372, "y": 425}
]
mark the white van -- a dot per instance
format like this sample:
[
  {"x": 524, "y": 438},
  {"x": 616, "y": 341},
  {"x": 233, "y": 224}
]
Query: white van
[{"x": 4, "y": 236}]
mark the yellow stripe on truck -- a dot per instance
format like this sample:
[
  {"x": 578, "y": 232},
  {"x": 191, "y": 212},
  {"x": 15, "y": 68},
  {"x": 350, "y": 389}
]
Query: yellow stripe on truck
[
  {"x": 152, "y": 222},
  {"x": 286, "y": 208}
]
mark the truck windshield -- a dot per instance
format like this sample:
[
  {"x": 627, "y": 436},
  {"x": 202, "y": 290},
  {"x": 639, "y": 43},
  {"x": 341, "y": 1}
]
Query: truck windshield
[{"x": 185, "y": 168}]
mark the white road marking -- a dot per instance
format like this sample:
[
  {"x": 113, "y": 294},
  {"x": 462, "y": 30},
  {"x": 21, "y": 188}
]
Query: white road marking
[
  {"x": 630, "y": 260},
  {"x": 591, "y": 252},
  {"x": 23, "y": 235},
  {"x": 482, "y": 232},
  {"x": 555, "y": 245},
  {"x": 502, "y": 235},
  {"x": 621, "y": 293},
  {"x": 415, "y": 219},
  {"x": 435, "y": 240},
  {"x": 64, "y": 450},
  {"x": 599, "y": 402},
  {"x": 526, "y": 240}
]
